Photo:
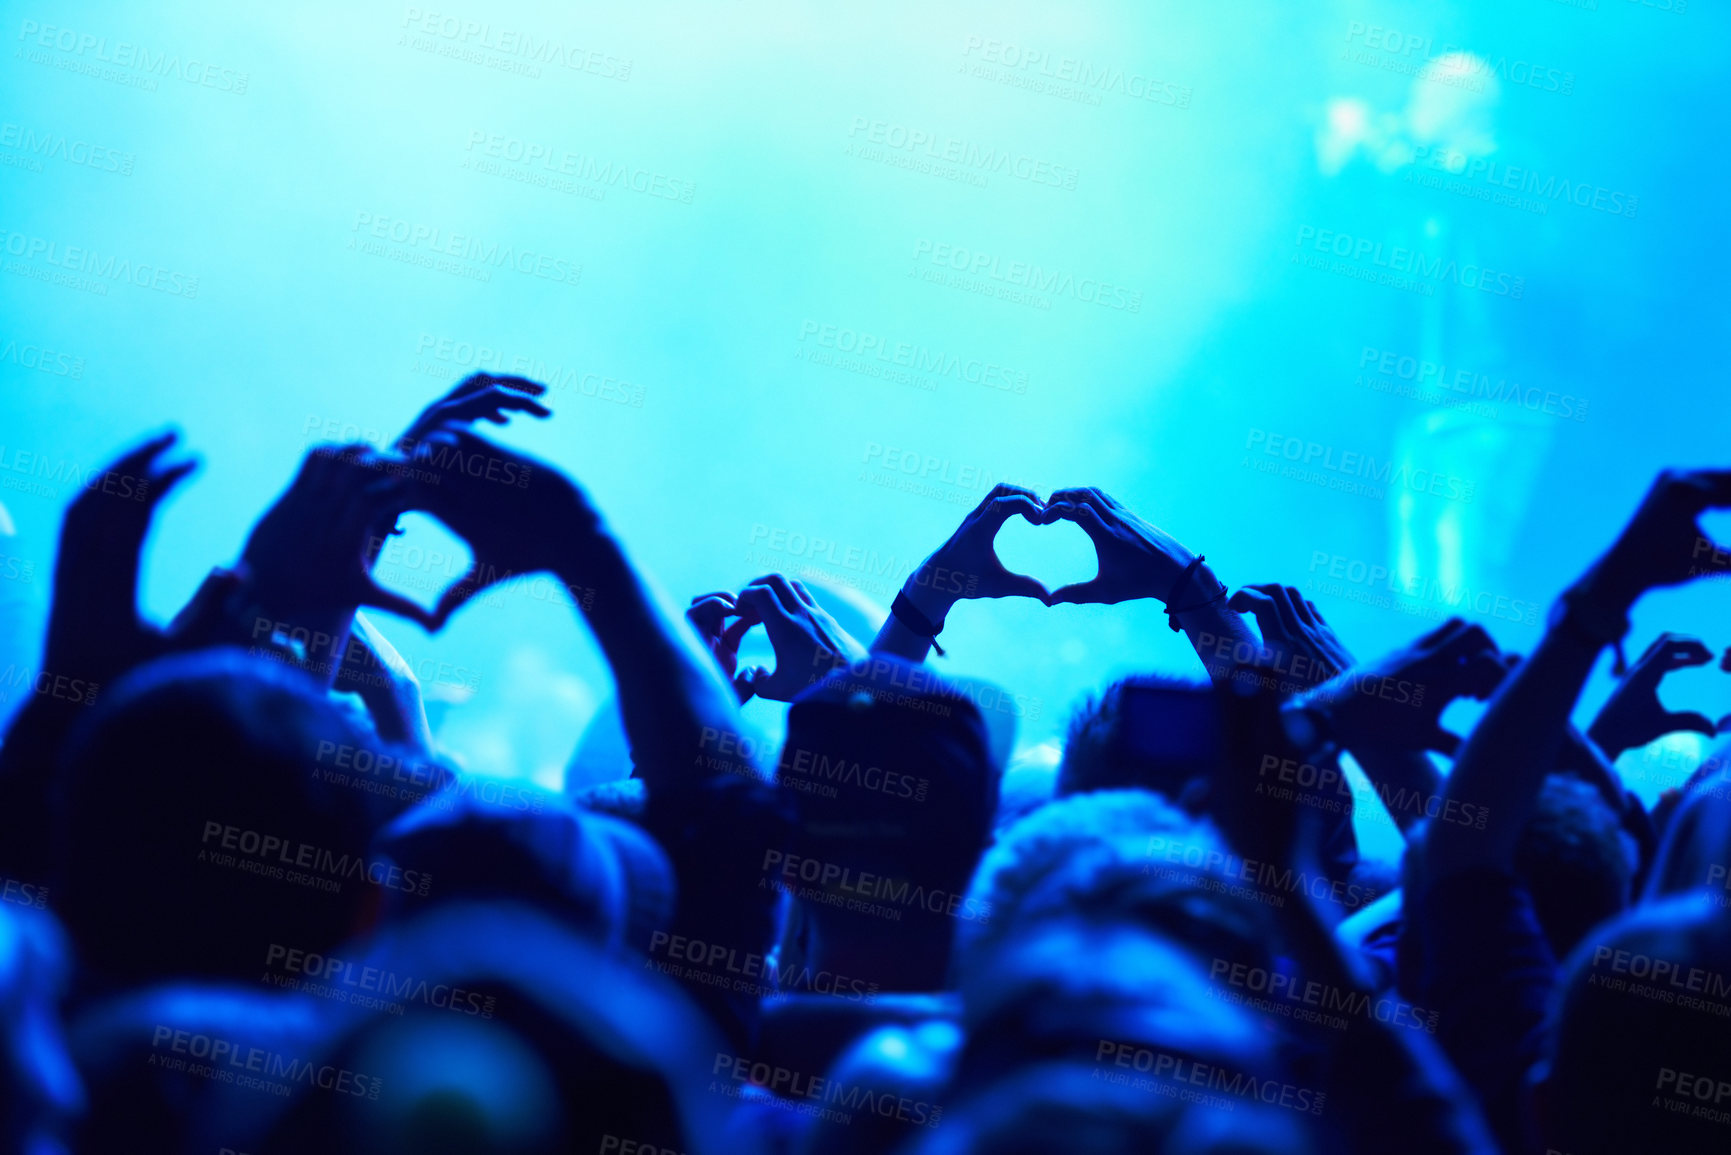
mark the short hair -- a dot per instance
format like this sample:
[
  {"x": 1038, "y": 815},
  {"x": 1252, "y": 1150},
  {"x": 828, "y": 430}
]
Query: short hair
[
  {"x": 1095, "y": 856},
  {"x": 1575, "y": 859},
  {"x": 575, "y": 1044},
  {"x": 1097, "y": 756}
]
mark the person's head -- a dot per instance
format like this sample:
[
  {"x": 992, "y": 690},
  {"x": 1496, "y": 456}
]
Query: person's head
[
  {"x": 572, "y": 1049},
  {"x": 471, "y": 1028},
  {"x": 1101, "y": 1025},
  {"x": 1105, "y": 749},
  {"x": 1696, "y": 849},
  {"x": 489, "y": 840},
  {"x": 1068, "y": 1106},
  {"x": 1638, "y": 1059},
  {"x": 906, "y": 1067},
  {"x": 1576, "y": 861},
  {"x": 1111, "y": 855},
  {"x": 197, "y": 824},
  {"x": 891, "y": 771}
]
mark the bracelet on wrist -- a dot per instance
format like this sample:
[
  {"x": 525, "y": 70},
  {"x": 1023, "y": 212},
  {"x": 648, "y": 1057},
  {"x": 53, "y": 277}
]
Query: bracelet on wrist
[
  {"x": 1172, "y": 612},
  {"x": 904, "y": 611}
]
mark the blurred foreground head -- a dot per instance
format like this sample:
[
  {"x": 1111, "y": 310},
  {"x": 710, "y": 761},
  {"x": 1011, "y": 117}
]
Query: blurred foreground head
[
  {"x": 475, "y": 1029},
  {"x": 1641, "y": 1048},
  {"x": 1103, "y": 1037},
  {"x": 196, "y": 826},
  {"x": 896, "y": 785}
]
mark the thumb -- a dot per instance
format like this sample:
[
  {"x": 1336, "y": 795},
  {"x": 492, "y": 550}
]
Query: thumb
[
  {"x": 378, "y": 597},
  {"x": 1079, "y": 593}
]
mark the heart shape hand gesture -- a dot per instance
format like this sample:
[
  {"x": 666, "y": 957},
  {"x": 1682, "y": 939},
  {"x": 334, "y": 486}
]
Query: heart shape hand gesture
[{"x": 1135, "y": 559}]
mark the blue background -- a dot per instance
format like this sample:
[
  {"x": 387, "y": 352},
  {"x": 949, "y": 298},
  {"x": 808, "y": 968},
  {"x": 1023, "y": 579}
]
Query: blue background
[{"x": 697, "y": 395}]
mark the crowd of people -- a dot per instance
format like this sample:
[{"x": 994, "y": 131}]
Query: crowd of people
[{"x": 252, "y": 907}]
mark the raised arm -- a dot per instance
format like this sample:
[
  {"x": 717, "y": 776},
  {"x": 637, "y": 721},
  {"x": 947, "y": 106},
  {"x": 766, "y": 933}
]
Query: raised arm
[
  {"x": 519, "y": 516},
  {"x": 1515, "y": 744},
  {"x": 1305, "y": 651},
  {"x": 95, "y": 635}
]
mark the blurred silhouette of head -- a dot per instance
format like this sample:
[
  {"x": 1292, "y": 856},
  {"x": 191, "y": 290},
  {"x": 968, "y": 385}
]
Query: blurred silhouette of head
[
  {"x": 1067, "y": 1107},
  {"x": 895, "y": 785},
  {"x": 601, "y": 876},
  {"x": 1112, "y": 855},
  {"x": 1638, "y": 1059},
  {"x": 563, "y": 1047},
  {"x": 1085, "y": 1036},
  {"x": 1103, "y": 749},
  {"x": 195, "y": 828},
  {"x": 1576, "y": 861}
]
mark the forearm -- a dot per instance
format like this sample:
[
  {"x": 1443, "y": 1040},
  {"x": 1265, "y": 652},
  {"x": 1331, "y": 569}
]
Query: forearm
[
  {"x": 1504, "y": 762},
  {"x": 1582, "y": 756},
  {"x": 671, "y": 694},
  {"x": 1220, "y": 636},
  {"x": 1396, "y": 773},
  {"x": 894, "y": 638}
]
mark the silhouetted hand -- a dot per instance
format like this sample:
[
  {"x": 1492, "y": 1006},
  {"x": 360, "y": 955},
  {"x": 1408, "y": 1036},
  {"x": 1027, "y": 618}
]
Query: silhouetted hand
[
  {"x": 1395, "y": 702},
  {"x": 306, "y": 563},
  {"x": 808, "y": 642},
  {"x": 966, "y": 566},
  {"x": 477, "y": 397},
  {"x": 1633, "y": 715},
  {"x": 94, "y": 629},
  {"x": 1300, "y": 642},
  {"x": 1663, "y": 544},
  {"x": 1137, "y": 559},
  {"x": 517, "y": 514},
  {"x": 708, "y": 614}
]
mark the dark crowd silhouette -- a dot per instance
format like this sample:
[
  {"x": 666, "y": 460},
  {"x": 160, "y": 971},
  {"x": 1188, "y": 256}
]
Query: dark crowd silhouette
[{"x": 252, "y": 907}]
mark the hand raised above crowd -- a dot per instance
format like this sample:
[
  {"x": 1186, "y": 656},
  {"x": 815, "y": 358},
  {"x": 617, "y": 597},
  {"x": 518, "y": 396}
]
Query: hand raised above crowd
[
  {"x": 95, "y": 632},
  {"x": 1137, "y": 559},
  {"x": 518, "y": 514},
  {"x": 1633, "y": 715},
  {"x": 807, "y": 640},
  {"x": 1396, "y": 701}
]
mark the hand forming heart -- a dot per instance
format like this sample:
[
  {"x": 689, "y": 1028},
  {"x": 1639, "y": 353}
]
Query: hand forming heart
[
  {"x": 808, "y": 642},
  {"x": 1135, "y": 559}
]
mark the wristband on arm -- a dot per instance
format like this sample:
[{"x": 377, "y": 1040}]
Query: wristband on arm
[
  {"x": 904, "y": 611},
  {"x": 1178, "y": 587}
]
